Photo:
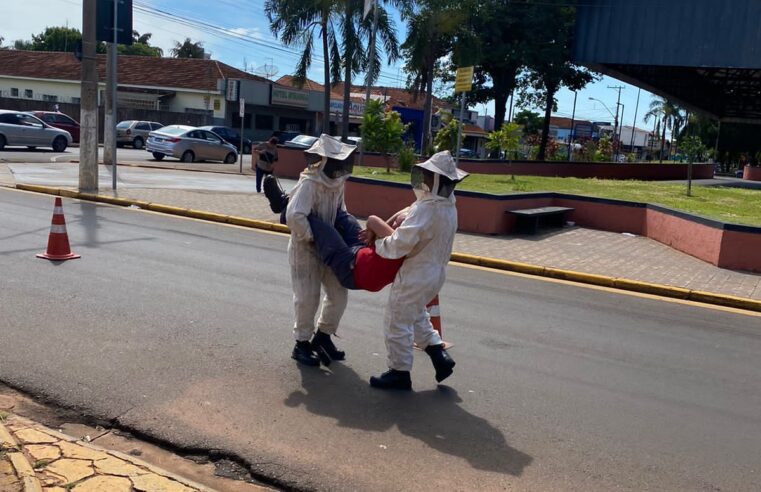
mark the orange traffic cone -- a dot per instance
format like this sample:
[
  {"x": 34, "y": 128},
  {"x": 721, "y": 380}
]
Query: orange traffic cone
[
  {"x": 435, "y": 314},
  {"x": 58, "y": 240}
]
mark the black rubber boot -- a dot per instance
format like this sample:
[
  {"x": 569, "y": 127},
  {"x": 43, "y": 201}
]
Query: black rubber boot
[
  {"x": 325, "y": 349},
  {"x": 392, "y": 379},
  {"x": 303, "y": 354},
  {"x": 442, "y": 362},
  {"x": 275, "y": 194}
]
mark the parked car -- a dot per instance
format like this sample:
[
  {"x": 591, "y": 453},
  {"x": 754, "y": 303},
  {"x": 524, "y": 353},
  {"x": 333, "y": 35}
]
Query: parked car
[
  {"x": 135, "y": 133},
  {"x": 230, "y": 135},
  {"x": 283, "y": 136},
  {"x": 17, "y": 128},
  {"x": 467, "y": 153},
  {"x": 300, "y": 142},
  {"x": 60, "y": 120},
  {"x": 189, "y": 144}
]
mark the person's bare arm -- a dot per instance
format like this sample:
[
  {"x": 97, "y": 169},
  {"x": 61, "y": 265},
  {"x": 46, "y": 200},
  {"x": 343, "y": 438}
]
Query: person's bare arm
[
  {"x": 380, "y": 228},
  {"x": 375, "y": 228}
]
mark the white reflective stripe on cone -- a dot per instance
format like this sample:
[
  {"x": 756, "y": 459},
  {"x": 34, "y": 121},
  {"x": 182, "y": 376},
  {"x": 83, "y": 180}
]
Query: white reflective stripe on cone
[
  {"x": 58, "y": 229},
  {"x": 57, "y": 210},
  {"x": 434, "y": 310}
]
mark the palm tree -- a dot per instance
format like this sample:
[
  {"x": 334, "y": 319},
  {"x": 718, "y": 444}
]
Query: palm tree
[
  {"x": 355, "y": 29},
  {"x": 187, "y": 49},
  {"x": 296, "y": 23},
  {"x": 670, "y": 116}
]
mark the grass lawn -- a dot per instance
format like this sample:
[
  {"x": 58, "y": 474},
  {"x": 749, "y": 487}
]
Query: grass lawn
[{"x": 735, "y": 205}]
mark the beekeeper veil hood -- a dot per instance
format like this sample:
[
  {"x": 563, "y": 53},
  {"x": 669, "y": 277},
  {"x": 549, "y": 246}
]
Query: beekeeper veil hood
[
  {"x": 438, "y": 175},
  {"x": 331, "y": 156}
]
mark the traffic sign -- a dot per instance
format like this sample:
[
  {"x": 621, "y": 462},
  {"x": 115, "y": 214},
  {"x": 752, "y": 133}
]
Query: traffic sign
[
  {"x": 242, "y": 107},
  {"x": 464, "y": 79}
]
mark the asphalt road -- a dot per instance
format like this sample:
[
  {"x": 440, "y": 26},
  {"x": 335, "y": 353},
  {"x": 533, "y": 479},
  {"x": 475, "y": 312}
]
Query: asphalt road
[{"x": 181, "y": 330}]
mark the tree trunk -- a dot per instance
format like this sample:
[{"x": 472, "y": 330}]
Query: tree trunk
[
  {"x": 348, "y": 54},
  {"x": 503, "y": 83},
  {"x": 500, "y": 109},
  {"x": 663, "y": 140},
  {"x": 326, "y": 56},
  {"x": 546, "y": 127},
  {"x": 428, "y": 110}
]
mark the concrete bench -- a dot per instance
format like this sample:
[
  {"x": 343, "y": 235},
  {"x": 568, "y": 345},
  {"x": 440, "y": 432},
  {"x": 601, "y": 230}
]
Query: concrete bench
[{"x": 528, "y": 220}]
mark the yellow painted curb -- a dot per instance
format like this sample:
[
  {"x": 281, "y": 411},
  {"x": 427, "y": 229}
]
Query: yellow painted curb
[{"x": 497, "y": 264}]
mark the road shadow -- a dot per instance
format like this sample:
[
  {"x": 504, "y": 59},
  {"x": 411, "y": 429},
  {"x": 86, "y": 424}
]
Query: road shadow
[{"x": 434, "y": 417}]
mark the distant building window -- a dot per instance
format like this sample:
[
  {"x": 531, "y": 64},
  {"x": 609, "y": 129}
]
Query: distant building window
[
  {"x": 49, "y": 98},
  {"x": 264, "y": 122},
  {"x": 28, "y": 93},
  {"x": 14, "y": 92}
]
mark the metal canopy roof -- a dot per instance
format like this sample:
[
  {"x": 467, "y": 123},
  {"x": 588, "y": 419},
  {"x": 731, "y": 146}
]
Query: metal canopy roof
[{"x": 703, "y": 54}]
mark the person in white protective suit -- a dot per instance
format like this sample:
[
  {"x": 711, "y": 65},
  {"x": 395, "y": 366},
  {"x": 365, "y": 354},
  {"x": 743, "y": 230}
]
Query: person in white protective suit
[
  {"x": 425, "y": 239},
  {"x": 320, "y": 190}
]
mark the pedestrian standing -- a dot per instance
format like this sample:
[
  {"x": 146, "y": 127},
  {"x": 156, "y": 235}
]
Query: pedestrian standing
[{"x": 266, "y": 156}]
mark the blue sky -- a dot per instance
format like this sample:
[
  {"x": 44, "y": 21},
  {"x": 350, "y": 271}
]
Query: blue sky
[{"x": 250, "y": 45}]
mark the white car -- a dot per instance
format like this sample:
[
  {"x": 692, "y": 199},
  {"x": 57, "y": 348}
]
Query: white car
[{"x": 23, "y": 129}]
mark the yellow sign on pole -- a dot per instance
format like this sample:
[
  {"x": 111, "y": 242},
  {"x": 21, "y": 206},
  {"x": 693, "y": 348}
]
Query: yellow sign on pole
[{"x": 464, "y": 79}]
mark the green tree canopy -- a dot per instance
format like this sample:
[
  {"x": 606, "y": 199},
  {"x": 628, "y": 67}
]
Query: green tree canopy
[
  {"x": 141, "y": 46},
  {"x": 529, "y": 120},
  {"x": 188, "y": 49},
  {"x": 51, "y": 39},
  {"x": 382, "y": 131}
]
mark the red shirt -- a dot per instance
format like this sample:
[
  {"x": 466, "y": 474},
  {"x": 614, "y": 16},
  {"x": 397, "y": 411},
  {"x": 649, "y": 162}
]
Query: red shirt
[{"x": 373, "y": 272}]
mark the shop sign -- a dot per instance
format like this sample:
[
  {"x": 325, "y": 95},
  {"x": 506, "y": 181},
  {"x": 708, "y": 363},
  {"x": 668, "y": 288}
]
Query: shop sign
[
  {"x": 289, "y": 97},
  {"x": 355, "y": 108}
]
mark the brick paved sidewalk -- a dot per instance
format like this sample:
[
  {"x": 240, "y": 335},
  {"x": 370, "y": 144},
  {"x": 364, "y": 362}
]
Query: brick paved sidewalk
[
  {"x": 575, "y": 248},
  {"x": 34, "y": 458}
]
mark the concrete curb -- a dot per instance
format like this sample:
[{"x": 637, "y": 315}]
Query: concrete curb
[{"x": 497, "y": 264}]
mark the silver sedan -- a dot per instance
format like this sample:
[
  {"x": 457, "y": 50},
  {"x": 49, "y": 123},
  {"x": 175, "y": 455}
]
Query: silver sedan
[
  {"x": 17, "y": 128},
  {"x": 189, "y": 144}
]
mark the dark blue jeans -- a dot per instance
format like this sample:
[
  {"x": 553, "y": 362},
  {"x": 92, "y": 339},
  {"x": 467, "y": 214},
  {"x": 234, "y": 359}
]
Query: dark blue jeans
[
  {"x": 260, "y": 173},
  {"x": 338, "y": 244}
]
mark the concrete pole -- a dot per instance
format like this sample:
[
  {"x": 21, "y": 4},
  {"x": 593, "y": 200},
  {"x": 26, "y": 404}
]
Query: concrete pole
[
  {"x": 109, "y": 120},
  {"x": 88, "y": 118}
]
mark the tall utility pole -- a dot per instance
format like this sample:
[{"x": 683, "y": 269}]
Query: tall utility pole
[
  {"x": 88, "y": 118},
  {"x": 109, "y": 121},
  {"x": 634, "y": 125},
  {"x": 618, "y": 103},
  {"x": 573, "y": 131}
]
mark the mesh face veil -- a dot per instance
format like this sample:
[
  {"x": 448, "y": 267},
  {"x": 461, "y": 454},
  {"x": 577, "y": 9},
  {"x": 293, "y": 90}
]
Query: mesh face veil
[
  {"x": 335, "y": 168},
  {"x": 439, "y": 185}
]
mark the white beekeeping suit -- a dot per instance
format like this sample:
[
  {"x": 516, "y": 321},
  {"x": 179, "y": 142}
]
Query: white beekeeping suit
[
  {"x": 425, "y": 238},
  {"x": 320, "y": 190}
]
